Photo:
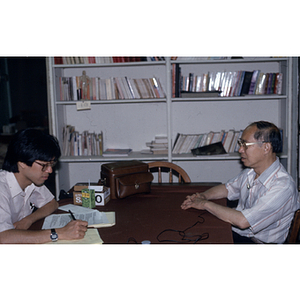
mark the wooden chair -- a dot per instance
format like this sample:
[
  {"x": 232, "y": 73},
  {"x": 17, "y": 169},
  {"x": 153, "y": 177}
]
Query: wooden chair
[
  {"x": 294, "y": 229},
  {"x": 172, "y": 169}
]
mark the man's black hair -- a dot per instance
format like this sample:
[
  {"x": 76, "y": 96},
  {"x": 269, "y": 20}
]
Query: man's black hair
[
  {"x": 29, "y": 145},
  {"x": 270, "y": 133}
]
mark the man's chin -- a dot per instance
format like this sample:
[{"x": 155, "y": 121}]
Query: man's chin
[
  {"x": 39, "y": 183},
  {"x": 244, "y": 162}
]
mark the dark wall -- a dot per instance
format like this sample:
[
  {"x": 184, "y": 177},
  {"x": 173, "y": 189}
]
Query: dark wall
[
  {"x": 28, "y": 90},
  {"x": 28, "y": 94}
]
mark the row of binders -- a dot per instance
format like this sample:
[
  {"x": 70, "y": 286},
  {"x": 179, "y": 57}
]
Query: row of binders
[
  {"x": 81, "y": 144},
  {"x": 110, "y": 88},
  {"x": 227, "y": 83},
  {"x": 184, "y": 143}
]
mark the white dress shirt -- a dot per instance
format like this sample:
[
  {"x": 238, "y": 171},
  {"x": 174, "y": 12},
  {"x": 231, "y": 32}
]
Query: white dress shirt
[
  {"x": 268, "y": 203},
  {"x": 15, "y": 203}
]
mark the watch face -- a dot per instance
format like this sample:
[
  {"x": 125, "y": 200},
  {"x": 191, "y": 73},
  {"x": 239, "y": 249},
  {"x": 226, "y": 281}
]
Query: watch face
[{"x": 53, "y": 236}]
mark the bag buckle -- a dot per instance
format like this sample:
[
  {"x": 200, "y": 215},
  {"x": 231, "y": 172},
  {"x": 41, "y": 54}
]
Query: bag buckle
[{"x": 136, "y": 186}]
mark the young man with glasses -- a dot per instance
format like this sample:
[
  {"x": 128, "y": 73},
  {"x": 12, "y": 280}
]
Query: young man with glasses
[
  {"x": 267, "y": 194},
  {"x": 30, "y": 158}
]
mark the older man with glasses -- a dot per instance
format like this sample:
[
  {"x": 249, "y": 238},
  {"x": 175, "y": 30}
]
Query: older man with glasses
[
  {"x": 267, "y": 194},
  {"x": 30, "y": 158}
]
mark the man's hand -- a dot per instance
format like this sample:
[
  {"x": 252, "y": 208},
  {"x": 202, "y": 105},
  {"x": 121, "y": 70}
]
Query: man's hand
[
  {"x": 196, "y": 201},
  {"x": 73, "y": 230},
  {"x": 23, "y": 224},
  {"x": 200, "y": 201}
]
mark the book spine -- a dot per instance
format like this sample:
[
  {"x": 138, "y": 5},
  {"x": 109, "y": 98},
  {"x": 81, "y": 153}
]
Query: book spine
[
  {"x": 253, "y": 82},
  {"x": 278, "y": 85},
  {"x": 119, "y": 87},
  {"x": 177, "y": 80},
  {"x": 155, "y": 87},
  {"x": 108, "y": 89}
]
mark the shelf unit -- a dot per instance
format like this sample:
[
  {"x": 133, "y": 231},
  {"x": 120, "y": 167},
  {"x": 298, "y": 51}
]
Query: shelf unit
[{"x": 132, "y": 123}]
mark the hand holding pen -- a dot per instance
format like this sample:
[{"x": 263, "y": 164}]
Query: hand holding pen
[
  {"x": 73, "y": 217},
  {"x": 73, "y": 230}
]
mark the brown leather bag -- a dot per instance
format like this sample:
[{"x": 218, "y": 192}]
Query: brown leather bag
[
  {"x": 133, "y": 184},
  {"x": 126, "y": 178}
]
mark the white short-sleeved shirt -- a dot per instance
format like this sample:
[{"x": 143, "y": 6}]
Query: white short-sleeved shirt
[
  {"x": 15, "y": 203},
  {"x": 268, "y": 203}
]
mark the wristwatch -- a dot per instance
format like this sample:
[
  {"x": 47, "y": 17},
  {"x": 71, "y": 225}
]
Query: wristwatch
[{"x": 53, "y": 235}]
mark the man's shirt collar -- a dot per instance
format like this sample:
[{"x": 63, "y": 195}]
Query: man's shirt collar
[
  {"x": 15, "y": 186},
  {"x": 263, "y": 178}
]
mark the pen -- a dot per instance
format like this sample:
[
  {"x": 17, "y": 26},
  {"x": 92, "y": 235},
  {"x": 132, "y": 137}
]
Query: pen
[{"x": 72, "y": 215}]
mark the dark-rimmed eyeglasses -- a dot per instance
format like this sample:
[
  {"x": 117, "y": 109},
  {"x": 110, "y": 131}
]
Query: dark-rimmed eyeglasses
[
  {"x": 47, "y": 165},
  {"x": 245, "y": 145}
]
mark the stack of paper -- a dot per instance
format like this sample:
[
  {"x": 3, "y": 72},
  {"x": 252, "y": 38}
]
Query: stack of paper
[{"x": 95, "y": 219}]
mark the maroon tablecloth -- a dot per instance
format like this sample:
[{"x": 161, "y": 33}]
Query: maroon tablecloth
[{"x": 145, "y": 216}]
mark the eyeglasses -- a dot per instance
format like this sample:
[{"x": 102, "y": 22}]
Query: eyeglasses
[
  {"x": 246, "y": 145},
  {"x": 47, "y": 165}
]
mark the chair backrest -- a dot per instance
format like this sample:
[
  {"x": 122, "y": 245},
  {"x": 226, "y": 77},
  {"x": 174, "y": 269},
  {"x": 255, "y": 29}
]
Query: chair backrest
[
  {"x": 172, "y": 169},
  {"x": 294, "y": 229}
]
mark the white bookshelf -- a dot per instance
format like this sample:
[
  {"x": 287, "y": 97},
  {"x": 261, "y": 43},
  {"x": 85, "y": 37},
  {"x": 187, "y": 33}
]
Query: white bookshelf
[{"x": 132, "y": 123}]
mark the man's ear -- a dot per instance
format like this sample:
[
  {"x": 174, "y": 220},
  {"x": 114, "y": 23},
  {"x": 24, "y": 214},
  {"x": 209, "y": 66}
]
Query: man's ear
[
  {"x": 21, "y": 164},
  {"x": 267, "y": 147}
]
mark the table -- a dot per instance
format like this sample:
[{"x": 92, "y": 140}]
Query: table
[{"x": 144, "y": 216}]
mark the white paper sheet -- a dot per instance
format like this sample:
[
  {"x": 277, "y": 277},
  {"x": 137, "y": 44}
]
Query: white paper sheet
[{"x": 92, "y": 216}]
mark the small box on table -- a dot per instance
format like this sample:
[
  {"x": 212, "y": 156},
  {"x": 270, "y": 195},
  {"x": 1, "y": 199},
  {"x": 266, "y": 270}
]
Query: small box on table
[
  {"x": 88, "y": 198},
  {"x": 102, "y": 193}
]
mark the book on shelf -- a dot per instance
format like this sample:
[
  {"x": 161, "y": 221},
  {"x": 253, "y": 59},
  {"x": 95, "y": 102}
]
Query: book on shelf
[
  {"x": 246, "y": 83},
  {"x": 253, "y": 83},
  {"x": 71, "y": 60},
  {"x": 226, "y": 83},
  {"x": 117, "y": 152},
  {"x": 156, "y": 58},
  {"x": 184, "y": 143},
  {"x": 278, "y": 84},
  {"x": 81, "y": 144},
  {"x": 211, "y": 149},
  {"x": 177, "y": 80},
  {"x": 228, "y": 140},
  {"x": 161, "y": 139},
  {"x": 159, "y": 151},
  {"x": 157, "y": 146},
  {"x": 111, "y": 88},
  {"x": 234, "y": 145}
]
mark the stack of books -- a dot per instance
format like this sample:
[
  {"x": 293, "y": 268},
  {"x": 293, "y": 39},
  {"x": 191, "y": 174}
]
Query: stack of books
[
  {"x": 111, "y": 88},
  {"x": 227, "y": 83},
  {"x": 81, "y": 144},
  {"x": 158, "y": 146},
  {"x": 184, "y": 143}
]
